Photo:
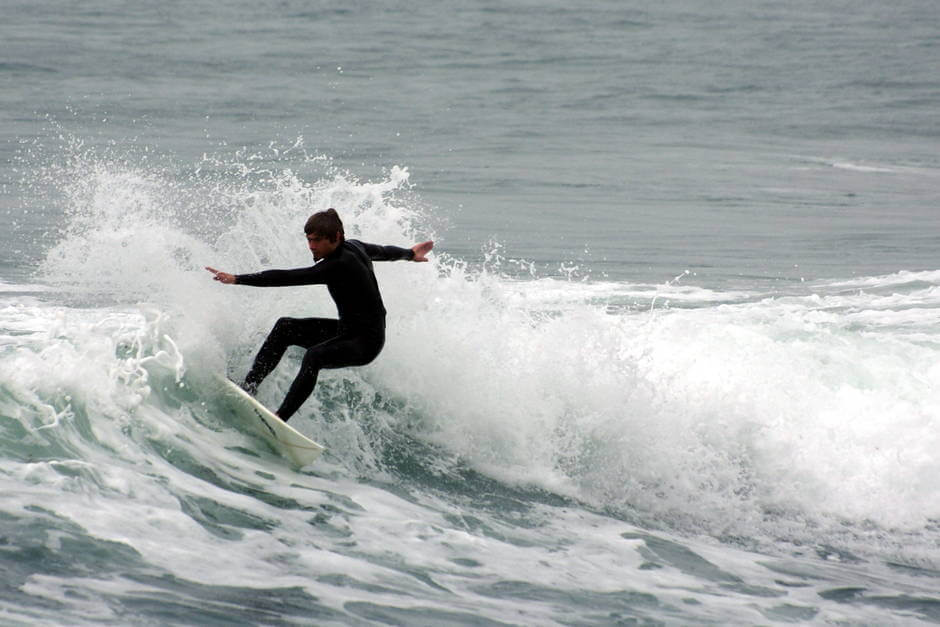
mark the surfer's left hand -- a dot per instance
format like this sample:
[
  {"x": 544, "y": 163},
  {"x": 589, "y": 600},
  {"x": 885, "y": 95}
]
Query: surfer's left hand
[{"x": 421, "y": 250}]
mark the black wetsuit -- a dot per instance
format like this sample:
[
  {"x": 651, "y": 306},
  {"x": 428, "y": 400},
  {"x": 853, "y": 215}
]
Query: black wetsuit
[{"x": 353, "y": 340}]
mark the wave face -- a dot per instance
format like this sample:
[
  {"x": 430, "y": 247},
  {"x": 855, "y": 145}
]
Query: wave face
[{"x": 525, "y": 449}]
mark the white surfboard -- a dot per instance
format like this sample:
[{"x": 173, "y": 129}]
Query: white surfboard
[{"x": 287, "y": 440}]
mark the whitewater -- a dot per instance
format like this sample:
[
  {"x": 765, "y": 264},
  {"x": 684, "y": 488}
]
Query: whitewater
[{"x": 527, "y": 449}]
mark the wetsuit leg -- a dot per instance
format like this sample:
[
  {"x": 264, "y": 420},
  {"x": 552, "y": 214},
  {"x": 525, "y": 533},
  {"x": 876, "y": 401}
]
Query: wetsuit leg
[
  {"x": 338, "y": 352},
  {"x": 305, "y": 332}
]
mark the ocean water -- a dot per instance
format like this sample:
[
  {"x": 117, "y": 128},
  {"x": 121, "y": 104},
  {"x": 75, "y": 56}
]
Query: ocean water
[{"x": 675, "y": 360}]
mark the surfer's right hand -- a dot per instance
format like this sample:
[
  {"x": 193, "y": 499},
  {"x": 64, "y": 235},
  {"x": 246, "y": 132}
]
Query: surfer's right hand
[{"x": 222, "y": 277}]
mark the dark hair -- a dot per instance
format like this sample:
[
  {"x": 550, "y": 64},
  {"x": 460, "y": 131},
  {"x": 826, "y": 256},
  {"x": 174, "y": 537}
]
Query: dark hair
[{"x": 325, "y": 224}]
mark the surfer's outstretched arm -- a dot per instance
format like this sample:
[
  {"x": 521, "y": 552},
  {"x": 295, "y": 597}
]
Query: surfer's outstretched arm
[{"x": 377, "y": 252}]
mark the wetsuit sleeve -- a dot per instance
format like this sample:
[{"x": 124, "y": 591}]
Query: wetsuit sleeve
[
  {"x": 387, "y": 253},
  {"x": 313, "y": 275}
]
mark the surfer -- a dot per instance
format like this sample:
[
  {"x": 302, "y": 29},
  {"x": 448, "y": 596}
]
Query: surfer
[{"x": 345, "y": 267}]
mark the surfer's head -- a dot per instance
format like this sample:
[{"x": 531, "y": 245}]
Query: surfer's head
[{"x": 324, "y": 232}]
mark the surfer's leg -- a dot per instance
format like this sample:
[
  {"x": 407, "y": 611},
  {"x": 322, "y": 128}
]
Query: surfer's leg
[
  {"x": 334, "y": 353},
  {"x": 305, "y": 332}
]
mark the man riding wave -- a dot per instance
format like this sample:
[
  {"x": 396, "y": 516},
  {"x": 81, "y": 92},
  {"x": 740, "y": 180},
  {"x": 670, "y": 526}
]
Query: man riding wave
[{"x": 356, "y": 338}]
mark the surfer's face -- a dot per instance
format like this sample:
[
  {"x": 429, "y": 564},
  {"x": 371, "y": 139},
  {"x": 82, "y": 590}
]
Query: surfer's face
[{"x": 321, "y": 246}]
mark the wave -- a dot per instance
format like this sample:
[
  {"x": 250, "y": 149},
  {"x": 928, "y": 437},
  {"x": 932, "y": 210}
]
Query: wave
[
  {"x": 897, "y": 279},
  {"x": 735, "y": 414}
]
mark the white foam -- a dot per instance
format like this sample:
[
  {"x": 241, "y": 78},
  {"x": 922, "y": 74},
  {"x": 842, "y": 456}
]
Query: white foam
[
  {"x": 857, "y": 167},
  {"x": 901, "y": 278},
  {"x": 23, "y": 288}
]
